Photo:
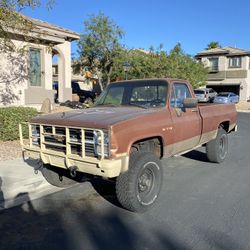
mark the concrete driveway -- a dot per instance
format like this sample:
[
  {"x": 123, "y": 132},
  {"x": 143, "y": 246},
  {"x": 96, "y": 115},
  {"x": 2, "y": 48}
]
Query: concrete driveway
[
  {"x": 19, "y": 182},
  {"x": 201, "y": 206}
]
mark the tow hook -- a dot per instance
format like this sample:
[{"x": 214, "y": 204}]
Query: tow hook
[
  {"x": 72, "y": 171},
  {"x": 39, "y": 166}
]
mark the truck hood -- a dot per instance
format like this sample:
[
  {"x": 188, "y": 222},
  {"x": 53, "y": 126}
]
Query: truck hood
[{"x": 98, "y": 117}]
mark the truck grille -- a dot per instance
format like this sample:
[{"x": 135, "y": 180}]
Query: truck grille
[{"x": 69, "y": 141}]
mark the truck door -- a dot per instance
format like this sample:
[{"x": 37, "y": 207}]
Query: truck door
[{"x": 186, "y": 121}]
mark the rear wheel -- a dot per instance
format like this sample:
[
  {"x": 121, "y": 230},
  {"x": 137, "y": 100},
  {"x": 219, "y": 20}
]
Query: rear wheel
[
  {"x": 59, "y": 177},
  {"x": 138, "y": 189},
  {"x": 217, "y": 149}
]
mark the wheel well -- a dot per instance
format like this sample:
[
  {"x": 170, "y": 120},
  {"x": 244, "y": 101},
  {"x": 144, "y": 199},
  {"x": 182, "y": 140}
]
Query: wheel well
[
  {"x": 225, "y": 126},
  {"x": 153, "y": 144}
]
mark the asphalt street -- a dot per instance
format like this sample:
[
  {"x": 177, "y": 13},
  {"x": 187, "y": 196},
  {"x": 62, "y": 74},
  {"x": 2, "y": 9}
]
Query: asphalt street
[{"x": 202, "y": 206}]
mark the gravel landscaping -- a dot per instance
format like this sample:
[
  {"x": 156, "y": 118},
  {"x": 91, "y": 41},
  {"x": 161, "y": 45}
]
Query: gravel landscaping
[{"x": 10, "y": 150}]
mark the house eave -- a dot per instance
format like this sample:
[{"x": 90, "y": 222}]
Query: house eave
[
  {"x": 43, "y": 31},
  {"x": 55, "y": 30}
]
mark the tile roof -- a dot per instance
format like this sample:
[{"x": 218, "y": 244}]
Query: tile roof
[{"x": 226, "y": 51}]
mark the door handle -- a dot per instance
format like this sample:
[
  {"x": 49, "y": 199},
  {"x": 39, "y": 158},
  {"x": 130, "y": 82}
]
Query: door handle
[{"x": 194, "y": 110}]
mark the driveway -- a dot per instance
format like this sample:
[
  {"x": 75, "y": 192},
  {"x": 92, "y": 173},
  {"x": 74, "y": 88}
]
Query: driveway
[{"x": 201, "y": 206}]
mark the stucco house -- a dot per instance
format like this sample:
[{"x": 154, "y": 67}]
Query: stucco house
[
  {"x": 27, "y": 78},
  {"x": 229, "y": 70}
]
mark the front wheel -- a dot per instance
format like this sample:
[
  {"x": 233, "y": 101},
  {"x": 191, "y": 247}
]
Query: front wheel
[
  {"x": 217, "y": 149},
  {"x": 138, "y": 189}
]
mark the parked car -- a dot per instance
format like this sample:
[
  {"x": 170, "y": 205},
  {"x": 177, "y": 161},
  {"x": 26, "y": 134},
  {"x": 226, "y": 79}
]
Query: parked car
[
  {"x": 84, "y": 95},
  {"x": 226, "y": 97},
  {"x": 205, "y": 94}
]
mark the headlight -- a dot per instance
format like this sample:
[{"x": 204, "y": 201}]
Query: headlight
[
  {"x": 98, "y": 143},
  {"x": 35, "y": 130},
  {"x": 35, "y": 133}
]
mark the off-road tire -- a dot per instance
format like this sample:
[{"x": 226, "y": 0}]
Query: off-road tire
[
  {"x": 58, "y": 177},
  {"x": 138, "y": 188},
  {"x": 217, "y": 149}
]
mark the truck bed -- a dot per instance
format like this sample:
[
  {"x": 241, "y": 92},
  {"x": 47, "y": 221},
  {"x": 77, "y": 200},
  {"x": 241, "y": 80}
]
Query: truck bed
[{"x": 212, "y": 114}]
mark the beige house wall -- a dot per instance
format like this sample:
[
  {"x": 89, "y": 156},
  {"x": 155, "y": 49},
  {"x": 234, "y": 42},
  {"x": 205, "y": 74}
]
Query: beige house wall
[
  {"x": 245, "y": 62},
  {"x": 246, "y": 85},
  {"x": 231, "y": 76},
  {"x": 222, "y": 63},
  {"x": 64, "y": 71},
  {"x": 13, "y": 77},
  {"x": 15, "y": 89}
]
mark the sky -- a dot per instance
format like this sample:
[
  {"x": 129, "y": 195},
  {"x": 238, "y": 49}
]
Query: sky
[{"x": 193, "y": 23}]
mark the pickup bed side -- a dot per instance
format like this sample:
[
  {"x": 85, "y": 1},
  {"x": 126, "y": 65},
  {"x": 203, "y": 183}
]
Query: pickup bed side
[{"x": 214, "y": 116}]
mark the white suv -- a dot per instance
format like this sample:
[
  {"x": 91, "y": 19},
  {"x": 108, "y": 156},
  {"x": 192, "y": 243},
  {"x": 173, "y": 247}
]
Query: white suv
[{"x": 205, "y": 94}]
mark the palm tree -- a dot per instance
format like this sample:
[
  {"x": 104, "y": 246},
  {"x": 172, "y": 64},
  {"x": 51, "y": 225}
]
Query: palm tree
[{"x": 213, "y": 45}]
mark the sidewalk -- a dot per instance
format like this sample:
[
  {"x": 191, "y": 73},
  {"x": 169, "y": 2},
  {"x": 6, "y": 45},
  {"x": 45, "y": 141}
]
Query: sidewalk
[
  {"x": 19, "y": 183},
  {"x": 243, "y": 111}
]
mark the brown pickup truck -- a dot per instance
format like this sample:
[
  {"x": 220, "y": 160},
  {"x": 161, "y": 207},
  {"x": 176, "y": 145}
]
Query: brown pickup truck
[{"x": 124, "y": 136}]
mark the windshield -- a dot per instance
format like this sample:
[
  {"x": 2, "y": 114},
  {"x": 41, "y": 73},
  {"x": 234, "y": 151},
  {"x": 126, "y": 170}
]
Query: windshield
[
  {"x": 199, "y": 91},
  {"x": 145, "y": 94},
  {"x": 223, "y": 94}
]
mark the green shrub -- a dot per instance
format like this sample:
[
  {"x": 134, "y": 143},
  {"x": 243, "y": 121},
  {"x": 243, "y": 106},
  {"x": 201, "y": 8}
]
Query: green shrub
[{"x": 10, "y": 118}]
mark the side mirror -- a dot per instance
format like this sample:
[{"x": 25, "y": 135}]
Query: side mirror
[{"x": 190, "y": 102}]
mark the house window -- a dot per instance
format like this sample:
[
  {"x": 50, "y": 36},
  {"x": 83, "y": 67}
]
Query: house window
[
  {"x": 214, "y": 64},
  {"x": 35, "y": 67},
  {"x": 234, "y": 62}
]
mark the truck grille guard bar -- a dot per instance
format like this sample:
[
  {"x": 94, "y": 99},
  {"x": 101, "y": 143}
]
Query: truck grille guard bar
[{"x": 68, "y": 142}]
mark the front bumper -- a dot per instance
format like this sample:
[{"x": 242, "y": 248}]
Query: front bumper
[{"x": 91, "y": 165}]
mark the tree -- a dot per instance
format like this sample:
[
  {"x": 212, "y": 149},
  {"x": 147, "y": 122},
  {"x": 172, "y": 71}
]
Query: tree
[
  {"x": 183, "y": 66},
  {"x": 213, "y": 45},
  {"x": 11, "y": 20},
  {"x": 101, "y": 53},
  {"x": 160, "y": 64},
  {"x": 98, "y": 46}
]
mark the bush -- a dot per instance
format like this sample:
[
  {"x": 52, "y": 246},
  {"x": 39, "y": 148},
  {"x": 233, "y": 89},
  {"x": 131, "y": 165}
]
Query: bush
[{"x": 10, "y": 118}]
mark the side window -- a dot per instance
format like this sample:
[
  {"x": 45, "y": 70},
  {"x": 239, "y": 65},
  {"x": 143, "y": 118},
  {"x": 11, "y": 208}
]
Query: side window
[
  {"x": 180, "y": 91},
  {"x": 35, "y": 67},
  {"x": 214, "y": 64},
  {"x": 234, "y": 62}
]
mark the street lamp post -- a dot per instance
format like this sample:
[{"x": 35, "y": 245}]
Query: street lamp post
[{"x": 126, "y": 68}]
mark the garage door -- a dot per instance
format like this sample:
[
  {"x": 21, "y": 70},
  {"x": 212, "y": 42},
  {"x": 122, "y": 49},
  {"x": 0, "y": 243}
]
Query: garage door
[{"x": 225, "y": 88}]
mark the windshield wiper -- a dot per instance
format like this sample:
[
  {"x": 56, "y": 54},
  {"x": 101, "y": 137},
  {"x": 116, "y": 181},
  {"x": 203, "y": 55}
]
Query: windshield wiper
[
  {"x": 108, "y": 104},
  {"x": 137, "y": 105},
  {"x": 121, "y": 105}
]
